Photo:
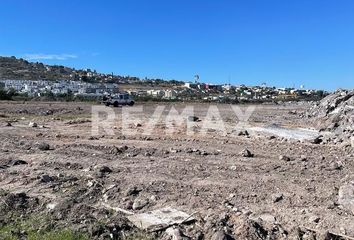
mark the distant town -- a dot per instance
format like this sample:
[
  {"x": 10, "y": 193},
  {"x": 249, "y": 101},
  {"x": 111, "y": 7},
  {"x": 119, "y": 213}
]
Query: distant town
[
  {"x": 186, "y": 91},
  {"x": 33, "y": 79}
]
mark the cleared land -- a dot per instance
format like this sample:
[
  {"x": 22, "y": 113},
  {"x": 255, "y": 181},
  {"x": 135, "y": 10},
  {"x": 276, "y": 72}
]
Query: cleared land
[{"x": 286, "y": 188}]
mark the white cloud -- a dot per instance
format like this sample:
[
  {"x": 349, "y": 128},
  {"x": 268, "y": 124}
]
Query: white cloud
[{"x": 40, "y": 56}]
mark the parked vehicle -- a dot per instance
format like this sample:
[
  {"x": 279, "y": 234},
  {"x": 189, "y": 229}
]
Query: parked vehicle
[{"x": 120, "y": 99}]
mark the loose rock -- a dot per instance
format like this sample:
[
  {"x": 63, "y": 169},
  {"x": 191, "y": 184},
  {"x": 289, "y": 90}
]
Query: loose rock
[
  {"x": 140, "y": 203},
  {"x": 277, "y": 197},
  {"x": 193, "y": 118},
  {"x": 346, "y": 197},
  {"x": 284, "y": 158},
  {"x": 105, "y": 169},
  {"x": 176, "y": 234},
  {"x": 132, "y": 191},
  {"x": 18, "y": 162},
  {"x": 220, "y": 235},
  {"x": 241, "y": 132},
  {"x": 246, "y": 153},
  {"x": 314, "y": 219},
  {"x": 33, "y": 124},
  {"x": 44, "y": 146},
  {"x": 46, "y": 178}
]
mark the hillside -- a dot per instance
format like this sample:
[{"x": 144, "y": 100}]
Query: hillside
[
  {"x": 20, "y": 69},
  {"x": 12, "y": 68}
]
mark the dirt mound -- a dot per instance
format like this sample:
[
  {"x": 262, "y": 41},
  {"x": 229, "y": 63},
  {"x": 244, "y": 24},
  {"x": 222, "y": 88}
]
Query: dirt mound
[{"x": 335, "y": 113}]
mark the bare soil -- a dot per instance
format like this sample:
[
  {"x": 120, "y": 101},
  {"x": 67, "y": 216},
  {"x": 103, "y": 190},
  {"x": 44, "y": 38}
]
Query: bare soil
[{"x": 259, "y": 197}]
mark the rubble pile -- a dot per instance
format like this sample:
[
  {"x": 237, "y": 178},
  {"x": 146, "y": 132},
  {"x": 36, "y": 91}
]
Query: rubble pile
[{"x": 335, "y": 114}]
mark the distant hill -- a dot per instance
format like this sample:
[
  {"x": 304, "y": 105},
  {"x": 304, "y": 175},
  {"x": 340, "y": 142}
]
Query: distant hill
[
  {"x": 20, "y": 69},
  {"x": 12, "y": 68}
]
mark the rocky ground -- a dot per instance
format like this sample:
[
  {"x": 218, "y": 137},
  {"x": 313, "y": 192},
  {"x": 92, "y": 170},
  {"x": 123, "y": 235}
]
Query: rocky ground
[
  {"x": 335, "y": 114},
  {"x": 234, "y": 184}
]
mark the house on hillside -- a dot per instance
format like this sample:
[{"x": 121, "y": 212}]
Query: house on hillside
[{"x": 170, "y": 94}]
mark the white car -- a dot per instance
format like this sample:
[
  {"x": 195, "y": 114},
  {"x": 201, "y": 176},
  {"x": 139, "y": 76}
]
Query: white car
[{"x": 119, "y": 100}]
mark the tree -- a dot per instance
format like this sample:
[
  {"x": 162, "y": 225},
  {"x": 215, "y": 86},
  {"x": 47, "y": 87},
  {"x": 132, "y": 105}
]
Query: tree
[
  {"x": 4, "y": 95},
  {"x": 49, "y": 95},
  {"x": 320, "y": 93},
  {"x": 7, "y": 94}
]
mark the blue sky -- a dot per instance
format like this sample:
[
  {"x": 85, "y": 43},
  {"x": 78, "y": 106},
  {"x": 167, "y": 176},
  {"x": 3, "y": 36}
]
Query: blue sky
[{"x": 279, "y": 42}]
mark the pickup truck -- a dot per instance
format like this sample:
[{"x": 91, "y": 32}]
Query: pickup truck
[{"x": 118, "y": 100}]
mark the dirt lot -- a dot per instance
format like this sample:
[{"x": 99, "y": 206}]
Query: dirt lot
[{"x": 288, "y": 189}]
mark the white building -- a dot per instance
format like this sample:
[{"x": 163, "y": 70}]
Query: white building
[{"x": 170, "y": 94}]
